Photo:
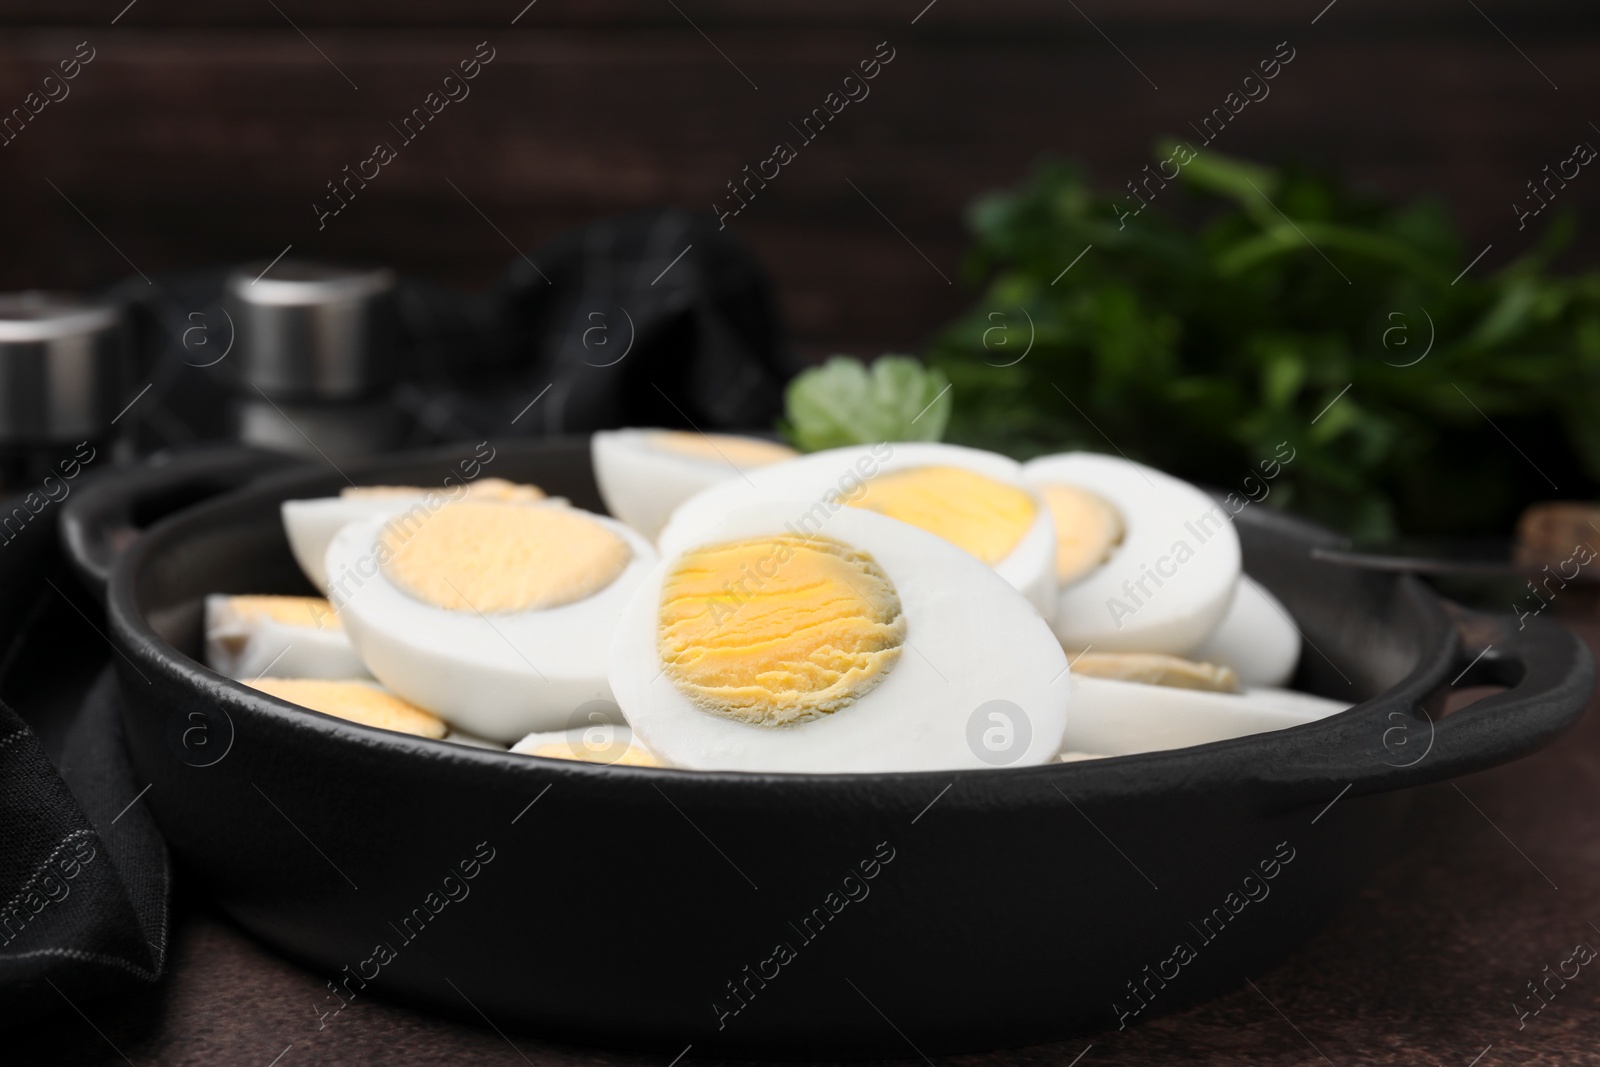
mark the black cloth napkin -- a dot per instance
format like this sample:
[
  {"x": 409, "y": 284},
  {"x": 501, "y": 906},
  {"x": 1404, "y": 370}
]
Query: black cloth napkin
[
  {"x": 654, "y": 319},
  {"x": 84, "y": 874},
  {"x": 85, "y": 884}
]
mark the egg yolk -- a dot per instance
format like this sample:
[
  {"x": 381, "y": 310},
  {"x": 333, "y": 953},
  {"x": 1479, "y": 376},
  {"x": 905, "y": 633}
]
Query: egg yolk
[
  {"x": 482, "y": 489},
  {"x": 1087, "y": 529},
  {"x": 631, "y": 755},
  {"x": 1150, "y": 668},
  {"x": 356, "y": 701},
  {"x": 496, "y": 558},
  {"x": 986, "y": 518},
  {"x": 313, "y": 612},
  {"x": 743, "y": 452},
  {"x": 778, "y": 630}
]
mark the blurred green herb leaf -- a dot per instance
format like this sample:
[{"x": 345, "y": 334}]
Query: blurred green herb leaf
[
  {"x": 846, "y": 402},
  {"x": 1199, "y": 346}
]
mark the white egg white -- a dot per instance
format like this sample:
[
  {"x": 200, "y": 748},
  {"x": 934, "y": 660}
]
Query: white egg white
[
  {"x": 498, "y": 676},
  {"x": 597, "y": 738},
  {"x": 971, "y": 639},
  {"x": 641, "y": 482},
  {"x": 1256, "y": 638},
  {"x": 310, "y": 525},
  {"x": 1115, "y": 718},
  {"x": 1169, "y": 582},
  {"x": 822, "y": 484},
  {"x": 244, "y": 647}
]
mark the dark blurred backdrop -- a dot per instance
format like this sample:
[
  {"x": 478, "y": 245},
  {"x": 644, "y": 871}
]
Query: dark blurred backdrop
[{"x": 203, "y": 133}]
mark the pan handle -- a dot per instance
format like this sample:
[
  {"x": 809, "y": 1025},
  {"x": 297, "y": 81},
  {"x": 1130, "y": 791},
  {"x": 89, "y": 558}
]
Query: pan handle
[
  {"x": 1395, "y": 741},
  {"x": 100, "y": 521}
]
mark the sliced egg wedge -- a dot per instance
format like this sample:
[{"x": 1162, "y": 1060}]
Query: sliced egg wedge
[
  {"x": 868, "y": 646},
  {"x": 283, "y": 636},
  {"x": 608, "y": 743},
  {"x": 1167, "y": 582},
  {"x": 311, "y": 524},
  {"x": 1117, "y": 718},
  {"x": 1153, "y": 668},
  {"x": 975, "y": 500},
  {"x": 644, "y": 474},
  {"x": 496, "y": 616},
  {"x": 357, "y": 700},
  {"x": 1256, "y": 637}
]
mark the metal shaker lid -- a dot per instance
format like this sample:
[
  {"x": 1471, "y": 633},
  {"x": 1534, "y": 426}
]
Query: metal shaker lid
[
  {"x": 310, "y": 331},
  {"x": 60, "y": 367}
]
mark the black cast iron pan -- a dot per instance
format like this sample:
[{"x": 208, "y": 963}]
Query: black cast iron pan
[{"x": 797, "y": 915}]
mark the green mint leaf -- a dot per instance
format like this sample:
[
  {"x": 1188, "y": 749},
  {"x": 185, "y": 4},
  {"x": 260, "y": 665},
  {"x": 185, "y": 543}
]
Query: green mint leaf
[{"x": 846, "y": 402}]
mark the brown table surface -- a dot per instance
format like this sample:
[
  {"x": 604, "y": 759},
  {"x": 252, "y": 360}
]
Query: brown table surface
[{"x": 1500, "y": 877}]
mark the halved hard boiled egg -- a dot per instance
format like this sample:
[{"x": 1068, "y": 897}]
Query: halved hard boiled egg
[
  {"x": 977, "y": 501},
  {"x": 356, "y": 699},
  {"x": 644, "y": 474},
  {"x": 1118, "y": 718},
  {"x": 1088, "y": 529},
  {"x": 247, "y": 637},
  {"x": 311, "y": 524},
  {"x": 1157, "y": 579},
  {"x": 1257, "y": 637},
  {"x": 608, "y": 743},
  {"x": 865, "y": 645},
  {"x": 496, "y": 616}
]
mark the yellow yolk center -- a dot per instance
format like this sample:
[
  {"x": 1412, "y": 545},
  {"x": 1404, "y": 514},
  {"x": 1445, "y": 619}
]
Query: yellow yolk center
[
  {"x": 985, "y": 517},
  {"x": 615, "y": 754},
  {"x": 1152, "y": 668},
  {"x": 497, "y": 489},
  {"x": 742, "y": 452},
  {"x": 313, "y": 612},
  {"x": 1087, "y": 529},
  {"x": 778, "y": 630},
  {"x": 359, "y": 702},
  {"x": 496, "y": 558}
]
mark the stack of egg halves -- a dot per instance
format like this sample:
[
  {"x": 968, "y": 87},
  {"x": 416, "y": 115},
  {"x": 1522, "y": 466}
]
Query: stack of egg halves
[
  {"x": 874, "y": 608},
  {"x": 477, "y": 613}
]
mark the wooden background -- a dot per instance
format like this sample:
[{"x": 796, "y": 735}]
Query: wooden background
[{"x": 203, "y": 132}]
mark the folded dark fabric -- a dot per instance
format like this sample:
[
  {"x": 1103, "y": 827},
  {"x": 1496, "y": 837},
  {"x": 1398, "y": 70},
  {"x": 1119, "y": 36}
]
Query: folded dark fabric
[
  {"x": 654, "y": 319},
  {"x": 83, "y": 885}
]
